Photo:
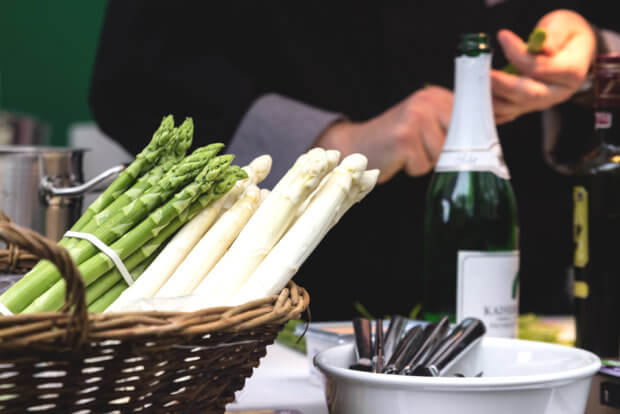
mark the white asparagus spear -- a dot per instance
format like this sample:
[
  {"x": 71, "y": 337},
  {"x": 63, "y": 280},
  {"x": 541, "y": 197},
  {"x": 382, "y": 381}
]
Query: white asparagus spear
[
  {"x": 257, "y": 171},
  {"x": 264, "y": 228},
  {"x": 211, "y": 246},
  {"x": 361, "y": 188},
  {"x": 263, "y": 194},
  {"x": 186, "y": 238},
  {"x": 283, "y": 261},
  {"x": 333, "y": 158}
]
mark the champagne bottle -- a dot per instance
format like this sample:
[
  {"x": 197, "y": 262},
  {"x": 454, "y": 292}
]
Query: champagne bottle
[
  {"x": 471, "y": 256},
  {"x": 596, "y": 221}
]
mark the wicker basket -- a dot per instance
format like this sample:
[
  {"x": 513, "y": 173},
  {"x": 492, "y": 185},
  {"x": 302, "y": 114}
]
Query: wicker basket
[
  {"x": 155, "y": 362},
  {"x": 13, "y": 259}
]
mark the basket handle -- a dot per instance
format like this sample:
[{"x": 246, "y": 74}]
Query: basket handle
[
  {"x": 14, "y": 259},
  {"x": 43, "y": 248}
]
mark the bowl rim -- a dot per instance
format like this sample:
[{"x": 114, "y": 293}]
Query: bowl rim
[{"x": 467, "y": 383}]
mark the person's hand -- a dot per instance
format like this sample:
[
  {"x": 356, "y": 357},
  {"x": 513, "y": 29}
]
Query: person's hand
[
  {"x": 548, "y": 78},
  {"x": 409, "y": 135}
]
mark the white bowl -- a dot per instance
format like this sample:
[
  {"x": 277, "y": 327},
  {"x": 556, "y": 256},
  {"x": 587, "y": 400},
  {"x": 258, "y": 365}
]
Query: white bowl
[{"x": 519, "y": 377}]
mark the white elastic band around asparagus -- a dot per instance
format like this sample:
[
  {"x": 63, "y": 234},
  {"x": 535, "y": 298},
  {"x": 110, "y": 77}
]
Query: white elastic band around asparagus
[
  {"x": 105, "y": 249},
  {"x": 5, "y": 311}
]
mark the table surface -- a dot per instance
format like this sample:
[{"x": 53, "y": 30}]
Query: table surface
[{"x": 281, "y": 381}]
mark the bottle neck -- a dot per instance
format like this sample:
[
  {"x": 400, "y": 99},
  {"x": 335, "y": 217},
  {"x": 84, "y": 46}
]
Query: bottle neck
[{"x": 472, "y": 143}]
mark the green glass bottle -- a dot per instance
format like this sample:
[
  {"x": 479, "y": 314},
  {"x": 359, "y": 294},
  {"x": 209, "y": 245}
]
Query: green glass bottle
[{"x": 471, "y": 256}]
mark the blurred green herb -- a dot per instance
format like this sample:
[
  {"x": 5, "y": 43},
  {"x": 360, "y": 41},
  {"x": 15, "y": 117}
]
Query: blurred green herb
[
  {"x": 415, "y": 311},
  {"x": 288, "y": 337},
  {"x": 361, "y": 309},
  {"x": 610, "y": 363},
  {"x": 532, "y": 328},
  {"x": 365, "y": 313}
]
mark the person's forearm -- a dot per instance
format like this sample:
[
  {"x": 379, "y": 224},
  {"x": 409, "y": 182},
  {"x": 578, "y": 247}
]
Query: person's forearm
[{"x": 281, "y": 127}]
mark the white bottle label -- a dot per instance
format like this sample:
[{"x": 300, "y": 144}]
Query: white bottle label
[
  {"x": 471, "y": 142},
  {"x": 602, "y": 120},
  {"x": 488, "y": 289},
  {"x": 489, "y": 159}
]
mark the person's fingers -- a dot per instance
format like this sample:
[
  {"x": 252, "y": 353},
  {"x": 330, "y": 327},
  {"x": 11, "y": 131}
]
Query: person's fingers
[
  {"x": 418, "y": 164},
  {"x": 439, "y": 100},
  {"x": 504, "y": 111},
  {"x": 504, "y": 119},
  {"x": 503, "y": 108},
  {"x": 516, "y": 89},
  {"x": 541, "y": 67},
  {"x": 427, "y": 117},
  {"x": 425, "y": 146},
  {"x": 415, "y": 158},
  {"x": 516, "y": 95},
  {"x": 563, "y": 70},
  {"x": 565, "y": 64},
  {"x": 445, "y": 100},
  {"x": 386, "y": 173},
  {"x": 433, "y": 138},
  {"x": 569, "y": 66},
  {"x": 568, "y": 49},
  {"x": 503, "y": 85},
  {"x": 515, "y": 50},
  {"x": 556, "y": 33},
  {"x": 529, "y": 93}
]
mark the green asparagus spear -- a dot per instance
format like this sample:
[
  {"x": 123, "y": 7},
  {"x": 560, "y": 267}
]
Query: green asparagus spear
[
  {"x": 180, "y": 142},
  {"x": 107, "y": 298},
  {"x": 534, "y": 46},
  {"x": 137, "y": 236},
  {"x": 177, "y": 145},
  {"x": 95, "y": 291},
  {"x": 143, "y": 162},
  {"x": 112, "y": 277},
  {"x": 133, "y": 213},
  {"x": 35, "y": 283},
  {"x": 184, "y": 136}
]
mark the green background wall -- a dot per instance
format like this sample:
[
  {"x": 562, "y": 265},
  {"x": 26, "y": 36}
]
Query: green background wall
[{"x": 47, "y": 49}]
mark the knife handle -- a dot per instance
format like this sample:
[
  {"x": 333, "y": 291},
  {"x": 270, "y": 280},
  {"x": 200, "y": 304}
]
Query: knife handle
[
  {"x": 363, "y": 344},
  {"x": 460, "y": 340}
]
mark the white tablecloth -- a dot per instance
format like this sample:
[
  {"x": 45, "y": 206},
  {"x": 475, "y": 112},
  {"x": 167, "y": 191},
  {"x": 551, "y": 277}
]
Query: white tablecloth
[{"x": 282, "y": 381}]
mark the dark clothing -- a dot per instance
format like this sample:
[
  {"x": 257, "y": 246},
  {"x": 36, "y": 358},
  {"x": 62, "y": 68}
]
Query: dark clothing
[{"x": 211, "y": 61}]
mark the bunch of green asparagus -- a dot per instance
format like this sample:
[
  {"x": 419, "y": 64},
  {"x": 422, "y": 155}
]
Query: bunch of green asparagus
[{"x": 162, "y": 189}]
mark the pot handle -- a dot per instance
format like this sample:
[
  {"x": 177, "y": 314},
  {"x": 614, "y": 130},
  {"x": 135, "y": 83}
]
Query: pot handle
[{"x": 49, "y": 189}]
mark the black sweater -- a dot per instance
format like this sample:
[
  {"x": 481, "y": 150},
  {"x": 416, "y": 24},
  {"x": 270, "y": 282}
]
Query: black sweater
[{"x": 191, "y": 58}]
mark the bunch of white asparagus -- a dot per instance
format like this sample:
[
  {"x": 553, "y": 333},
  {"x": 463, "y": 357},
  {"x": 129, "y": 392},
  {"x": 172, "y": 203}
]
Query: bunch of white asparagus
[{"x": 251, "y": 242}]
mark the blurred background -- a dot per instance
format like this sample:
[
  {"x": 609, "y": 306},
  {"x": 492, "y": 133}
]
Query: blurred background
[{"x": 47, "y": 49}]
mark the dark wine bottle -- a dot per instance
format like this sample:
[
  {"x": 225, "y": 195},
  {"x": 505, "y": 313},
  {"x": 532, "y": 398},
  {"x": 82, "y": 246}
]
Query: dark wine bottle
[
  {"x": 596, "y": 221},
  {"x": 471, "y": 256}
]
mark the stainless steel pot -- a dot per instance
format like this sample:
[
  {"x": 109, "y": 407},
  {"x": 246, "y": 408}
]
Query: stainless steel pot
[{"x": 42, "y": 187}]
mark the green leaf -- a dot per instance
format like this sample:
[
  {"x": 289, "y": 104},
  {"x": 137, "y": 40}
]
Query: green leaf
[
  {"x": 362, "y": 310},
  {"x": 415, "y": 311}
]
